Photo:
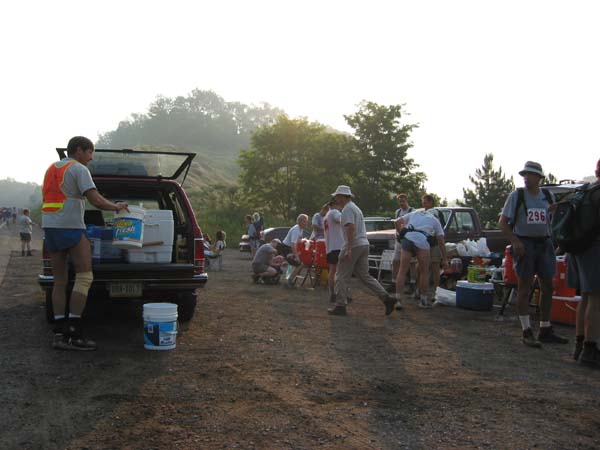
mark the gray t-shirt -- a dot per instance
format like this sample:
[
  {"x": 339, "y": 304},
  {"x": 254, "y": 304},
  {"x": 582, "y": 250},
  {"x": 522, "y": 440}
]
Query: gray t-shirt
[
  {"x": 25, "y": 224},
  {"x": 352, "y": 214},
  {"x": 77, "y": 181},
  {"x": 535, "y": 222},
  {"x": 264, "y": 254},
  {"x": 317, "y": 220}
]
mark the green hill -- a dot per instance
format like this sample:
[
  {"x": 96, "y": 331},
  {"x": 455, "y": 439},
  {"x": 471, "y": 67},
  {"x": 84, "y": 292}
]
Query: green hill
[{"x": 203, "y": 123}]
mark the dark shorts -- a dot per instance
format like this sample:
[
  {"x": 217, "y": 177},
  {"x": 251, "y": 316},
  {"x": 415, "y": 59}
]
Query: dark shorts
[
  {"x": 539, "y": 259},
  {"x": 333, "y": 257},
  {"x": 25, "y": 237},
  {"x": 584, "y": 270},
  {"x": 409, "y": 246},
  {"x": 259, "y": 267},
  {"x": 283, "y": 249},
  {"x": 60, "y": 239}
]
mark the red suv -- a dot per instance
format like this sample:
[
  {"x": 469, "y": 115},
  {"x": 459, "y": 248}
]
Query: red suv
[{"x": 147, "y": 179}]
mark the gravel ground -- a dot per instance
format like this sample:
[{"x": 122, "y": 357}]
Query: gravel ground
[{"x": 264, "y": 367}]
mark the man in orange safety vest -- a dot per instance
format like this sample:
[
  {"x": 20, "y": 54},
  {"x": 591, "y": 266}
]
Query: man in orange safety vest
[{"x": 67, "y": 183}]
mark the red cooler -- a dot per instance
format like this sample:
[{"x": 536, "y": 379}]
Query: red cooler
[
  {"x": 564, "y": 310},
  {"x": 510, "y": 277},
  {"x": 306, "y": 248},
  {"x": 561, "y": 289},
  {"x": 321, "y": 254}
]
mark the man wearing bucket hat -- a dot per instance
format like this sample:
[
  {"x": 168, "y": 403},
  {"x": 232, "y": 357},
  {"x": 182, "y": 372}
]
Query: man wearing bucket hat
[
  {"x": 354, "y": 256},
  {"x": 525, "y": 221},
  {"x": 66, "y": 185}
]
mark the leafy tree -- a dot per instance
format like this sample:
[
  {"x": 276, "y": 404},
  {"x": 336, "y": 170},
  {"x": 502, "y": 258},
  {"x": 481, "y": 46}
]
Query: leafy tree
[
  {"x": 292, "y": 166},
  {"x": 491, "y": 187},
  {"x": 383, "y": 167},
  {"x": 550, "y": 179}
]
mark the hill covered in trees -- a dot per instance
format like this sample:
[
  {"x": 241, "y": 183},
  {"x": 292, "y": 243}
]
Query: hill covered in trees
[{"x": 202, "y": 123}]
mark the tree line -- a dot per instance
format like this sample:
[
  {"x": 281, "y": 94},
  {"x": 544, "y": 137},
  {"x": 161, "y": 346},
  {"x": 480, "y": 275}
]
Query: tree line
[{"x": 256, "y": 158}]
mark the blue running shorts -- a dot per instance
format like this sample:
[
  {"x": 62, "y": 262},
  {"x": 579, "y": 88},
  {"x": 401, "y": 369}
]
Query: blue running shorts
[{"x": 59, "y": 239}]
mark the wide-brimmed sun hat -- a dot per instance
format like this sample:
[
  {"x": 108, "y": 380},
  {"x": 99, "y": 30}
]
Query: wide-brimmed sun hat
[
  {"x": 532, "y": 167},
  {"x": 343, "y": 190}
]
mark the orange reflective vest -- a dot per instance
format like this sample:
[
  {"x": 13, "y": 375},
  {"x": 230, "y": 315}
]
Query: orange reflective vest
[{"x": 54, "y": 197}]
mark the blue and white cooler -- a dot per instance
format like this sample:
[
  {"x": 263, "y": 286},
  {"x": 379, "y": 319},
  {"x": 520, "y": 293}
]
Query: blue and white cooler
[{"x": 474, "y": 296}]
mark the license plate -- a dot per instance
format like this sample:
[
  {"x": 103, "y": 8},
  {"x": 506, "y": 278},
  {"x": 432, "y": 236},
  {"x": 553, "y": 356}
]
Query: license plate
[{"x": 125, "y": 289}]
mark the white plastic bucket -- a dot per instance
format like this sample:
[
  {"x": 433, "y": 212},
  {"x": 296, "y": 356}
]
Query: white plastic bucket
[
  {"x": 160, "y": 326},
  {"x": 129, "y": 228}
]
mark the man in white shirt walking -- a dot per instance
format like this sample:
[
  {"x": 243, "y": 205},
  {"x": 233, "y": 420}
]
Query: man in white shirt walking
[{"x": 354, "y": 255}]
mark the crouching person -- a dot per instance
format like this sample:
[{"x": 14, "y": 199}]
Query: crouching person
[{"x": 266, "y": 265}]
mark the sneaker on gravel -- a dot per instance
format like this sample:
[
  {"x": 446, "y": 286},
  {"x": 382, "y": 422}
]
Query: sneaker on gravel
[
  {"x": 547, "y": 336},
  {"x": 424, "y": 303},
  {"x": 590, "y": 356},
  {"x": 578, "y": 348},
  {"x": 530, "y": 340},
  {"x": 337, "y": 310},
  {"x": 389, "y": 301},
  {"x": 66, "y": 342}
]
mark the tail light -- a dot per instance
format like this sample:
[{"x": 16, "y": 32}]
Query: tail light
[
  {"x": 198, "y": 256},
  {"x": 46, "y": 263}
]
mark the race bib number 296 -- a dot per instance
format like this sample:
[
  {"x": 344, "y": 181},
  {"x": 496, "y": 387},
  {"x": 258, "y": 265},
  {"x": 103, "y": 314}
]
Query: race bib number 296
[{"x": 536, "y": 216}]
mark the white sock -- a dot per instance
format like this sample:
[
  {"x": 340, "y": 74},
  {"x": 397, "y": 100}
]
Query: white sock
[
  {"x": 525, "y": 322},
  {"x": 544, "y": 324},
  {"x": 59, "y": 316},
  {"x": 74, "y": 316}
]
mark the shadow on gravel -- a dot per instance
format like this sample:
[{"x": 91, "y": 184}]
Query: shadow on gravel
[{"x": 51, "y": 397}]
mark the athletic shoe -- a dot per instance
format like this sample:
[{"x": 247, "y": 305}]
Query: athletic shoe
[
  {"x": 547, "y": 336},
  {"x": 530, "y": 340},
  {"x": 337, "y": 310},
  {"x": 398, "y": 305},
  {"x": 255, "y": 278},
  {"x": 424, "y": 303},
  {"x": 590, "y": 356},
  {"x": 57, "y": 339},
  {"x": 66, "y": 342},
  {"x": 578, "y": 348},
  {"x": 389, "y": 301}
]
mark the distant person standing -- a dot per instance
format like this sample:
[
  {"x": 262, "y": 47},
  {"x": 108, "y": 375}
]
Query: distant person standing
[
  {"x": 525, "y": 220},
  {"x": 404, "y": 208},
  {"x": 317, "y": 223},
  {"x": 67, "y": 183},
  {"x": 253, "y": 235},
  {"x": 354, "y": 255},
  {"x": 334, "y": 241},
  {"x": 25, "y": 232}
]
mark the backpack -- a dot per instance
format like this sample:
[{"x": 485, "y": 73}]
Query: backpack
[
  {"x": 575, "y": 221},
  {"x": 521, "y": 201}
]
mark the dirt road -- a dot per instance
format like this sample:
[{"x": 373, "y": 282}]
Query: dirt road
[{"x": 263, "y": 367}]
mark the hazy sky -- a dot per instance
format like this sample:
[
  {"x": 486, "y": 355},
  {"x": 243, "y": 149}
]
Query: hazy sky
[{"x": 515, "y": 78}]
